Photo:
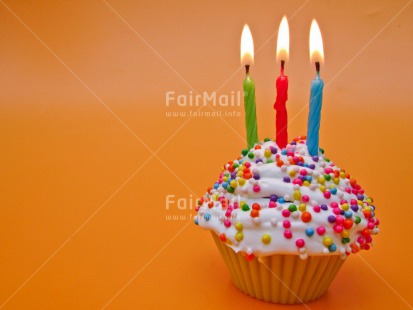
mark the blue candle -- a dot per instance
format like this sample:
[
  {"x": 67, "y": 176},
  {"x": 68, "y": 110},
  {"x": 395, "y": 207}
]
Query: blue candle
[{"x": 316, "y": 100}]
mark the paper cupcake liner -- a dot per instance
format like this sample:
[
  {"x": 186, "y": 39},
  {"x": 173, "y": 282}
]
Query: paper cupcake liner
[{"x": 281, "y": 278}]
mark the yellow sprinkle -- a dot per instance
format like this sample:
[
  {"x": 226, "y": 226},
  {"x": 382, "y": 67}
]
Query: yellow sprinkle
[
  {"x": 345, "y": 206},
  {"x": 302, "y": 207},
  {"x": 297, "y": 195},
  {"x": 321, "y": 180},
  {"x": 292, "y": 173},
  {"x": 225, "y": 179},
  {"x": 322, "y": 188},
  {"x": 241, "y": 181},
  {"x": 239, "y": 226},
  {"x": 327, "y": 241},
  {"x": 267, "y": 153},
  {"x": 233, "y": 184},
  {"x": 345, "y": 234},
  {"x": 306, "y": 183},
  {"x": 336, "y": 181},
  {"x": 239, "y": 236},
  {"x": 359, "y": 202},
  {"x": 342, "y": 175},
  {"x": 266, "y": 238}
]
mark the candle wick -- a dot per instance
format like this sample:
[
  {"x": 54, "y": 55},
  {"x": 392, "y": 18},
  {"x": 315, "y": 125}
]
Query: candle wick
[
  {"x": 282, "y": 67},
  {"x": 317, "y": 67},
  {"x": 247, "y": 69}
]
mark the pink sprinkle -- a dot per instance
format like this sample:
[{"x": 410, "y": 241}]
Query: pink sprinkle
[
  {"x": 343, "y": 201},
  {"x": 256, "y": 188},
  {"x": 339, "y": 220},
  {"x": 354, "y": 191},
  {"x": 369, "y": 239},
  {"x": 327, "y": 194},
  {"x": 247, "y": 164},
  {"x": 286, "y": 224},
  {"x": 272, "y": 204},
  {"x": 328, "y": 170},
  {"x": 370, "y": 225},
  {"x": 288, "y": 234},
  {"x": 334, "y": 205},
  {"x": 227, "y": 223},
  {"x": 338, "y": 229},
  {"x": 303, "y": 172},
  {"x": 353, "y": 201},
  {"x": 235, "y": 205},
  {"x": 317, "y": 209},
  {"x": 336, "y": 211},
  {"x": 321, "y": 230},
  {"x": 300, "y": 243},
  {"x": 286, "y": 213},
  {"x": 361, "y": 240},
  {"x": 348, "y": 190},
  {"x": 197, "y": 208},
  {"x": 305, "y": 198},
  {"x": 298, "y": 181}
]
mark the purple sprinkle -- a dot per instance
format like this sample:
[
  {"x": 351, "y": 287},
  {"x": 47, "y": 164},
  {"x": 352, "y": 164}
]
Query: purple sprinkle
[
  {"x": 331, "y": 218},
  {"x": 273, "y": 150},
  {"x": 287, "y": 180},
  {"x": 258, "y": 160},
  {"x": 300, "y": 163},
  {"x": 311, "y": 166},
  {"x": 355, "y": 208},
  {"x": 256, "y": 176},
  {"x": 342, "y": 212},
  {"x": 315, "y": 158},
  {"x": 233, "y": 175},
  {"x": 273, "y": 198},
  {"x": 324, "y": 207},
  {"x": 302, "y": 177},
  {"x": 360, "y": 197},
  {"x": 296, "y": 159},
  {"x": 293, "y": 143}
]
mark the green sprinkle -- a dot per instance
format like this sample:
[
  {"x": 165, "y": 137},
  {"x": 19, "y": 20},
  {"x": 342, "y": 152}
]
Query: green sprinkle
[{"x": 292, "y": 208}]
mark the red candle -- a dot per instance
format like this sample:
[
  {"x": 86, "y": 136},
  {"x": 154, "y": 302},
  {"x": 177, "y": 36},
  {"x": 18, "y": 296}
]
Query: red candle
[{"x": 281, "y": 119}]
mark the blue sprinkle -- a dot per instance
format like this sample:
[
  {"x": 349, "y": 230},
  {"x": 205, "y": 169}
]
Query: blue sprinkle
[
  {"x": 284, "y": 152},
  {"x": 207, "y": 217},
  {"x": 309, "y": 178},
  {"x": 348, "y": 214},
  {"x": 281, "y": 200},
  {"x": 332, "y": 248},
  {"x": 216, "y": 185},
  {"x": 333, "y": 190},
  {"x": 224, "y": 184},
  {"x": 305, "y": 165},
  {"x": 196, "y": 221},
  {"x": 309, "y": 232}
]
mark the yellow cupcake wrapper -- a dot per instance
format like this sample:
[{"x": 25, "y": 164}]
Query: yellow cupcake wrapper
[{"x": 281, "y": 278}]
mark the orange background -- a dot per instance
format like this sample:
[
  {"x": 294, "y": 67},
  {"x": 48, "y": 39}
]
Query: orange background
[{"x": 88, "y": 155}]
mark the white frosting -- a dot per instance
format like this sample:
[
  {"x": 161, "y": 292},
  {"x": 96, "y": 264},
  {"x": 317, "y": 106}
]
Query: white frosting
[{"x": 216, "y": 216}]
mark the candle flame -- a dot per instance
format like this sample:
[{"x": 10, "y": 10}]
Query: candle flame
[
  {"x": 283, "y": 40},
  {"x": 247, "y": 47},
  {"x": 316, "y": 43}
]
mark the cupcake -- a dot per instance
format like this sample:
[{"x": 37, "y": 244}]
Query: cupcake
[{"x": 285, "y": 221}]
